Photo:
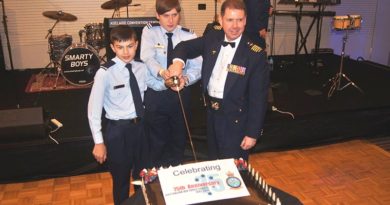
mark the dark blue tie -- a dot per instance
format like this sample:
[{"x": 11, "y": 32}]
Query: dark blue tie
[
  {"x": 136, "y": 93},
  {"x": 170, "y": 49}
]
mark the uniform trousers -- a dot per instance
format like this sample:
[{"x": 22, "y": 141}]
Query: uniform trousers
[
  {"x": 165, "y": 126},
  {"x": 224, "y": 136},
  {"x": 123, "y": 139}
]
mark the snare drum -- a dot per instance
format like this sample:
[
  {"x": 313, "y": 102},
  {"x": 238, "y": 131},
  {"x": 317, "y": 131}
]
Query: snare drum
[
  {"x": 341, "y": 22},
  {"x": 94, "y": 35},
  {"x": 58, "y": 44},
  {"x": 79, "y": 64}
]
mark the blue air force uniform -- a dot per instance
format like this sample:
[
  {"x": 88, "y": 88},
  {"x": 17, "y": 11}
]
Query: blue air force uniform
[
  {"x": 237, "y": 96},
  {"x": 124, "y": 131},
  {"x": 163, "y": 116}
]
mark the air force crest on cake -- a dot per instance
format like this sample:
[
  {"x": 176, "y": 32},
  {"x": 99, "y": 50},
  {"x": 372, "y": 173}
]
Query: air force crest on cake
[{"x": 233, "y": 181}]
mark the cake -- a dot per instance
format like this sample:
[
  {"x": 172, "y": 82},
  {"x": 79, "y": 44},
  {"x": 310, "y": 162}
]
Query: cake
[{"x": 260, "y": 192}]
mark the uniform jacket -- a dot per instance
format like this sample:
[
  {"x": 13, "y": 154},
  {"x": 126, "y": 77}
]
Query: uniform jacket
[{"x": 245, "y": 91}]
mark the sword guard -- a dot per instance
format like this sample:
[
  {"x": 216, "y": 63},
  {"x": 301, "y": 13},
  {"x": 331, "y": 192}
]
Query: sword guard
[{"x": 173, "y": 81}]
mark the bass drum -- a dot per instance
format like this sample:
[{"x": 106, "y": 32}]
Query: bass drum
[{"x": 79, "y": 64}]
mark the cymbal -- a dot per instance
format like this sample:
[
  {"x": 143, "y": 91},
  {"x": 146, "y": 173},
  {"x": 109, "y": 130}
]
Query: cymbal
[
  {"x": 60, "y": 15},
  {"x": 115, "y": 4}
]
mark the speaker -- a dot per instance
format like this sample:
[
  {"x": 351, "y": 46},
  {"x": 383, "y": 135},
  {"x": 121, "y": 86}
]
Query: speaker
[
  {"x": 137, "y": 23},
  {"x": 21, "y": 124}
]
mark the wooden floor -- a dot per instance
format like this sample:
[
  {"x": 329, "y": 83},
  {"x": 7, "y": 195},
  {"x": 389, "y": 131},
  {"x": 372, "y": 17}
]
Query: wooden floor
[{"x": 355, "y": 172}]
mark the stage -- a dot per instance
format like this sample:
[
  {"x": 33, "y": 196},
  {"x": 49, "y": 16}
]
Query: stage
[{"x": 300, "y": 114}]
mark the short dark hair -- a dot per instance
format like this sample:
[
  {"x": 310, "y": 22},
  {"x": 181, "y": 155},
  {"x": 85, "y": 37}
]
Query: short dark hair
[
  {"x": 163, "y": 6},
  {"x": 122, "y": 33},
  {"x": 232, "y": 4}
]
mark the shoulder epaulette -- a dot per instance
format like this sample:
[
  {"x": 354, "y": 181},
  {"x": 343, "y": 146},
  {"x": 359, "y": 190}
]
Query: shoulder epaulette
[
  {"x": 187, "y": 30},
  {"x": 255, "y": 48},
  {"x": 150, "y": 25},
  {"x": 217, "y": 27},
  {"x": 107, "y": 65}
]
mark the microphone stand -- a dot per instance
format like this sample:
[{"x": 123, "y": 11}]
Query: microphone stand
[{"x": 6, "y": 35}]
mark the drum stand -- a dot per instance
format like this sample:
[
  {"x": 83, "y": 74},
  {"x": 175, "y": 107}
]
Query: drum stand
[
  {"x": 52, "y": 64},
  {"x": 56, "y": 66},
  {"x": 336, "y": 80}
]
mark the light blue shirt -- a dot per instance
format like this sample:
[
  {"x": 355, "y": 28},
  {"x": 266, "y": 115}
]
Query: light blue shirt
[
  {"x": 154, "y": 46},
  {"x": 111, "y": 91}
]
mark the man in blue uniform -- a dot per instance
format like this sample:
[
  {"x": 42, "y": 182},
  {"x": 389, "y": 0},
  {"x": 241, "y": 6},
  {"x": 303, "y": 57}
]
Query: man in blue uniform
[
  {"x": 164, "y": 119},
  {"x": 235, "y": 78},
  {"x": 118, "y": 88}
]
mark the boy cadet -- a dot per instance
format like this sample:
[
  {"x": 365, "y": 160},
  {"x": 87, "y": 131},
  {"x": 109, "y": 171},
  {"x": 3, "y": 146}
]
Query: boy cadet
[
  {"x": 118, "y": 89},
  {"x": 164, "y": 119}
]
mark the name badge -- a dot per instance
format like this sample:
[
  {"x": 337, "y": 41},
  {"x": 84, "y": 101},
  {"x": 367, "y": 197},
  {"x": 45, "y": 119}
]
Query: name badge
[
  {"x": 159, "y": 46},
  {"x": 236, "y": 69},
  {"x": 119, "y": 86}
]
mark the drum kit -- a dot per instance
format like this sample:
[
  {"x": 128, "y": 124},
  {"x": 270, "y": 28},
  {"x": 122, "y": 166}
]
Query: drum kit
[
  {"x": 77, "y": 63},
  {"x": 344, "y": 23}
]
